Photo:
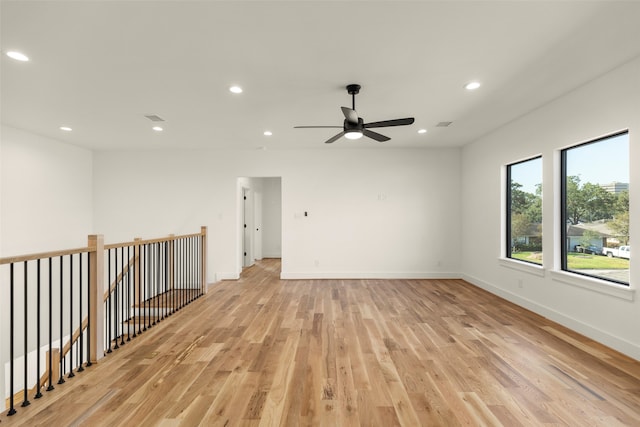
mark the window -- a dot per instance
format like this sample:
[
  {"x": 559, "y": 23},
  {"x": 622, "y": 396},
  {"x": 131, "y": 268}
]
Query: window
[
  {"x": 524, "y": 211},
  {"x": 595, "y": 208}
]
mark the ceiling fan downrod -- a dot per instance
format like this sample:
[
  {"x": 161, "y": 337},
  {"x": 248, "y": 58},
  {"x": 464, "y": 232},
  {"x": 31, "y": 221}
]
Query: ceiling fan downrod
[{"x": 353, "y": 90}]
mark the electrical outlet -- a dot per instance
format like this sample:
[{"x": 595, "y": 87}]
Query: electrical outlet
[{"x": 520, "y": 285}]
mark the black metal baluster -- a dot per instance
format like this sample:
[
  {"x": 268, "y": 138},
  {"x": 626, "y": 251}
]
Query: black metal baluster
[
  {"x": 174, "y": 278},
  {"x": 51, "y": 387},
  {"x": 11, "y": 408},
  {"x": 157, "y": 273},
  {"x": 185, "y": 273},
  {"x": 71, "y": 374},
  {"x": 187, "y": 260},
  {"x": 165, "y": 281},
  {"x": 38, "y": 394},
  {"x": 25, "y": 401},
  {"x": 128, "y": 305},
  {"x": 89, "y": 307},
  {"x": 178, "y": 274},
  {"x": 81, "y": 333},
  {"x": 120, "y": 295},
  {"x": 108, "y": 322},
  {"x": 137, "y": 301},
  {"x": 183, "y": 289},
  {"x": 115, "y": 295},
  {"x": 191, "y": 270},
  {"x": 62, "y": 365},
  {"x": 121, "y": 287},
  {"x": 149, "y": 283},
  {"x": 147, "y": 263},
  {"x": 199, "y": 265},
  {"x": 174, "y": 293}
]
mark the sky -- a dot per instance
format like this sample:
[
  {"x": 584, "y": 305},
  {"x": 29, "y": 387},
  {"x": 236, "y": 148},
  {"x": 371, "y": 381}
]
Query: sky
[{"x": 597, "y": 163}]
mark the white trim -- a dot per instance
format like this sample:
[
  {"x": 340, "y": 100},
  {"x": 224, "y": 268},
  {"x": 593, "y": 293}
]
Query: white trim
[
  {"x": 303, "y": 275},
  {"x": 526, "y": 267},
  {"x": 227, "y": 276},
  {"x": 620, "y": 344},
  {"x": 594, "y": 284}
]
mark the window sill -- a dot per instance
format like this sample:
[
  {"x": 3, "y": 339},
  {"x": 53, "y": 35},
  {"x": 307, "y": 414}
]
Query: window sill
[
  {"x": 527, "y": 267},
  {"x": 596, "y": 285}
]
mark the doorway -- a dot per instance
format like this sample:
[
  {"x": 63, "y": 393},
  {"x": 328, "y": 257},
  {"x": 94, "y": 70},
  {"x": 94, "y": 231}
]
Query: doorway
[{"x": 260, "y": 219}]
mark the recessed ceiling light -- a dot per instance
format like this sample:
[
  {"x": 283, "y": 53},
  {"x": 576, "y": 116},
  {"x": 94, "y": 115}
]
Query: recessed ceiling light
[
  {"x": 267, "y": 133},
  {"x": 235, "y": 89},
  {"x": 472, "y": 86},
  {"x": 66, "y": 128},
  {"x": 157, "y": 128},
  {"x": 18, "y": 56},
  {"x": 422, "y": 131}
]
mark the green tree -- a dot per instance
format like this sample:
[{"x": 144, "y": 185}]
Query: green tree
[
  {"x": 599, "y": 202},
  {"x": 588, "y": 202},
  {"x": 587, "y": 237},
  {"x": 525, "y": 203},
  {"x": 520, "y": 226},
  {"x": 518, "y": 198},
  {"x": 621, "y": 204},
  {"x": 534, "y": 210},
  {"x": 620, "y": 226}
]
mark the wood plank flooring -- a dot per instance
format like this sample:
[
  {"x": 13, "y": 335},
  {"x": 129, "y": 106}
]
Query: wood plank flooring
[{"x": 266, "y": 352}]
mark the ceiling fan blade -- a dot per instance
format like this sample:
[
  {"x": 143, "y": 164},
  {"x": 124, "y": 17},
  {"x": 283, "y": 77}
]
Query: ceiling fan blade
[
  {"x": 334, "y": 138},
  {"x": 374, "y": 135},
  {"x": 386, "y": 123},
  {"x": 317, "y": 127},
  {"x": 350, "y": 115}
]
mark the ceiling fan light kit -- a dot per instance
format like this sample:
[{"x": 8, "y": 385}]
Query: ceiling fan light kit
[
  {"x": 353, "y": 134},
  {"x": 354, "y": 127}
]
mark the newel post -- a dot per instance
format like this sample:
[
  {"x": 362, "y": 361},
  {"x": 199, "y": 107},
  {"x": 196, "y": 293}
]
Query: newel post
[
  {"x": 96, "y": 297},
  {"x": 203, "y": 260}
]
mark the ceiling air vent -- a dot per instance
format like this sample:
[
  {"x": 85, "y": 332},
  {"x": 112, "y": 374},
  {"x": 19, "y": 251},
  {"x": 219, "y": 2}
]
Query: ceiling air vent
[
  {"x": 443, "y": 124},
  {"x": 154, "y": 118}
]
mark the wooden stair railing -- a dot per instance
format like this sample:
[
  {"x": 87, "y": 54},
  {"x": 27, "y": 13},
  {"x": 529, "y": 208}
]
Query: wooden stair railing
[{"x": 180, "y": 252}]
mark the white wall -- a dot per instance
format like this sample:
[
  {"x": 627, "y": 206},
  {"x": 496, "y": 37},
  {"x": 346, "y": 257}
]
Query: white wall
[
  {"x": 46, "y": 194},
  {"x": 608, "y": 104},
  {"x": 371, "y": 212},
  {"x": 271, "y": 217}
]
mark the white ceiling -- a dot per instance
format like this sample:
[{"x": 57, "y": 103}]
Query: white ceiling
[{"x": 100, "y": 66}]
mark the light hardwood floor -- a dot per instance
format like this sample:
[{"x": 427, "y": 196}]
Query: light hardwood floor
[{"x": 261, "y": 351}]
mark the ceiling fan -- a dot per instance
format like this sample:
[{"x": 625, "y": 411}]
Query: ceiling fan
[{"x": 354, "y": 127}]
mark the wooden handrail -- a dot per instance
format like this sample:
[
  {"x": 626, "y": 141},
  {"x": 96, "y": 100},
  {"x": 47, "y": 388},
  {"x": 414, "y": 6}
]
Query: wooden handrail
[
  {"x": 148, "y": 241},
  {"x": 42, "y": 255}
]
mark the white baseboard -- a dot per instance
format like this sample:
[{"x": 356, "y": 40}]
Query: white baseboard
[
  {"x": 227, "y": 276},
  {"x": 306, "y": 275},
  {"x": 272, "y": 255},
  {"x": 623, "y": 346}
]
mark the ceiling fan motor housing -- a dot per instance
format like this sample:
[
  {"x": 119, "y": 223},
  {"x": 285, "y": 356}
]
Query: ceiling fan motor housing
[{"x": 348, "y": 126}]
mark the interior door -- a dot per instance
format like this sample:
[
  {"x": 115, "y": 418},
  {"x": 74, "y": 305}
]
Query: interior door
[{"x": 247, "y": 215}]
